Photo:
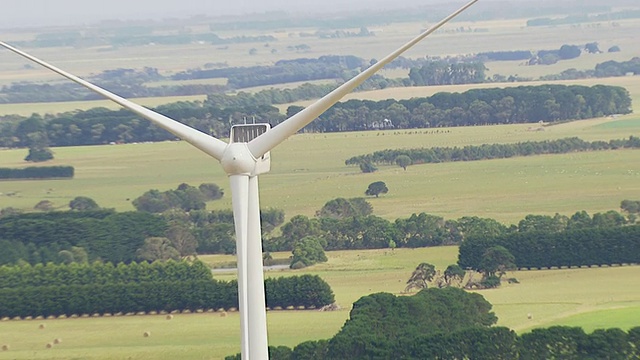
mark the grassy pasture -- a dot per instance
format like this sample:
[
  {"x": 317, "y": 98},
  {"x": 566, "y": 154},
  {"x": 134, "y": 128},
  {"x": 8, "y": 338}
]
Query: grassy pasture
[
  {"x": 601, "y": 297},
  {"x": 308, "y": 170}
]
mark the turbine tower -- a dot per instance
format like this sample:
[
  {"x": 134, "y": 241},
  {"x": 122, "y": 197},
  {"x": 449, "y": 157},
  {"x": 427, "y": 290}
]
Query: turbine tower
[{"x": 243, "y": 159}]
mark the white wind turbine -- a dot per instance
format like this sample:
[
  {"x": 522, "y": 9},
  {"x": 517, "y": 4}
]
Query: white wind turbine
[{"x": 243, "y": 159}]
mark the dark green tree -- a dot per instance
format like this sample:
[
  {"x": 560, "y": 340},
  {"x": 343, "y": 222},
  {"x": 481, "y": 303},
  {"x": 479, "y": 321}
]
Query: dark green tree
[
  {"x": 496, "y": 261},
  {"x": 83, "y": 203},
  {"x": 403, "y": 161},
  {"x": 421, "y": 276},
  {"x": 157, "y": 248},
  {"x": 376, "y": 188},
  {"x": 307, "y": 251}
]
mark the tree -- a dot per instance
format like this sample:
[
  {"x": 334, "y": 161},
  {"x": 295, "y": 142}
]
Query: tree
[
  {"x": 421, "y": 276},
  {"x": 182, "y": 239},
  {"x": 39, "y": 154},
  {"x": 496, "y": 261},
  {"x": 83, "y": 203},
  {"x": 592, "y": 48},
  {"x": 341, "y": 208},
  {"x": 306, "y": 252},
  {"x": 454, "y": 273},
  {"x": 403, "y": 161},
  {"x": 44, "y": 205},
  {"x": 377, "y": 188},
  {"x": 368, "y": 167},
  {"x": 157, "y": 248},
  {"x": 211, "y": 191},
  {"x": 614, "y": 48}
]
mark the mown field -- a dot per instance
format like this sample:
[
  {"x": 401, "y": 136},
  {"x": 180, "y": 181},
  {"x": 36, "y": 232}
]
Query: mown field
[{"x": 595, "y": 298}]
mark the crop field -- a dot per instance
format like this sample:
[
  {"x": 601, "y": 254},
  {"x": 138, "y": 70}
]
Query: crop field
[{"x": 597, "y": 297}]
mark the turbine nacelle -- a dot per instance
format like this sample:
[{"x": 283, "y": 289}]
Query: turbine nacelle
[{"x": 237, "y": 159}]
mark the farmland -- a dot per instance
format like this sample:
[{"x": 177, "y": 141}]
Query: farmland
[
  {"x": 308, "y": 170},
  {"x": 596, "y": 297}
]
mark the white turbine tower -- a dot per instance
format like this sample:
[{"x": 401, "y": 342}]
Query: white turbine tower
[{"x": 243, "y": 159}]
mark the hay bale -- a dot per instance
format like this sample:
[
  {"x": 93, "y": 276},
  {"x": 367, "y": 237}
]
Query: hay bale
[
  {"x": 5, "y": 347},
  {"x": 49, "y": 345},
  {"x": 5, "y": 319},
  {"x": 529, "y": 316},
  {"x": 40, "y": 317},
  {"x": 223, "y": 314},
  {"x": 57, "y": 341},
  {"x": 63, "y": 316},
  {"x": 41, "y": 326},
  {"x": 186, "y": 311},
  {"x": 199, "y": 311},
  {"x": 147, "y": 334},
  {"x": 140, "y": 313},
  {"x": 107, "y": 315},
  {"x": 233, "y": 309},
  {"x": 28, "y": 318},
  {"x": 51, "y": 317},
  {"x": 169, "y": 317},
  {"x": 95, "y": 315},
  {"x": 74, "y": 316},
  {"x": 84, "y": 315},
  {"x": 153, "y": 313}
]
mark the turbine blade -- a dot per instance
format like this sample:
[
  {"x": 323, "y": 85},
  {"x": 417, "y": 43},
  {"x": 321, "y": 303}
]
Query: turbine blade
[
  {"x": 210, "y": 145},
  {"x": 267, "y": 141}
]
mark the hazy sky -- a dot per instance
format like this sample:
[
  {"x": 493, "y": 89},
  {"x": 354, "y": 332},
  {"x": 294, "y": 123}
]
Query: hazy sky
[{"x": 23, "y": 13}]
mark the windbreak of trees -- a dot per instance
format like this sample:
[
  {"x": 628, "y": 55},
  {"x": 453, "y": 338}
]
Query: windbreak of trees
[
  {"x": 141, "y": 288},
  {"x": 19, "y": 276},
  {"x": 103, "y": 234},
  {"x": 545, "y": 249},
  {"x": 610, "y": 68},
  {"x": 422, "y": 230},
  {"x": 446, "y": 73},
  {"x": 37, "y": 172},
  {"x": 493, "y": 151},
  {"x": 523, "y": 104}
]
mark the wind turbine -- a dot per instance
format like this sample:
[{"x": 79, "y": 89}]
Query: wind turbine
[{"x": 243, "y": 159}]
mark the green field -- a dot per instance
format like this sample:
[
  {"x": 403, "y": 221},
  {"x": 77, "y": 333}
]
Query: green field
[
  {"x": 308, "y": 170},
  {"x": 596, "y": 297}
]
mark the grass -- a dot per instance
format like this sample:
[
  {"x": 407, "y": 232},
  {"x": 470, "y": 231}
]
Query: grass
[
  {"x": 308, "y": 170},
  {"x": 597, "y": 297}
]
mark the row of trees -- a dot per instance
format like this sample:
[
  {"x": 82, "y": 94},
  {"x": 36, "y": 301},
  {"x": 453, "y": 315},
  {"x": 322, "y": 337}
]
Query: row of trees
[
  {"x": 37, "y": 172},
  {"x": 104, "y": 234},
  {"x": 525, "y": 104},
  {"x": 185, "y": 197},
  {"x": 99, "y": 273},
  {"x": 155, "y": 295},
  {"x": 610, "y": 68},
  {"x": 405, "y": 157},
  {"x": 540, "y": 249},
  {"x": 420, "y": 230}
]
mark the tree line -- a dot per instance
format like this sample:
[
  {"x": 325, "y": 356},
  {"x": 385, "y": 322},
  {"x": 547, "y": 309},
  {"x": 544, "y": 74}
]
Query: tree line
[
  {"x": 569, "y": 248},
  {"x": 104, "y": 234},
  {"x": 88, "y": 233},
  {"x": 490, "y": 151},
  {"x": 37, "y": 172},
  {"x": 524, "y": 104},
  {"x": 308, "y": 291},
  {"x": 422, "y": 230}
]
